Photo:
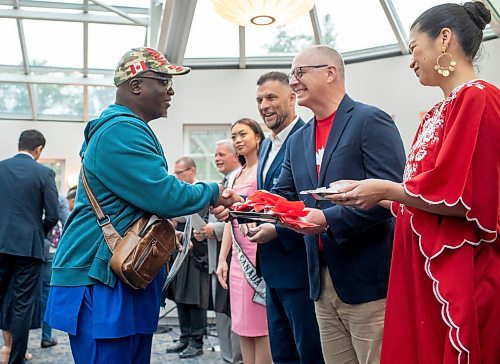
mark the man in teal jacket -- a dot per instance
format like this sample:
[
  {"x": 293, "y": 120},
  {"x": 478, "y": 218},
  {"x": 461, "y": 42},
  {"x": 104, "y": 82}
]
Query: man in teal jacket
[{"x": 107, "y": 321}]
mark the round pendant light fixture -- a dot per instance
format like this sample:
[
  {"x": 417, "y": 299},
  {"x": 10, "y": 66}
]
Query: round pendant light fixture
[{"x": 259, "y": 13}]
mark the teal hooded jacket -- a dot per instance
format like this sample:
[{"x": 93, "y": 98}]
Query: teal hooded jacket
[{"x": 128, "y": 174}]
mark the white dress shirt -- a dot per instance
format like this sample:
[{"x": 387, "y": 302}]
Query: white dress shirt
[{"x": 276, "y": 143}]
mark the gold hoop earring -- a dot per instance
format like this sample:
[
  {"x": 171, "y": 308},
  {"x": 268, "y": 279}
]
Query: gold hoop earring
[{"x": 442, "y": 70}]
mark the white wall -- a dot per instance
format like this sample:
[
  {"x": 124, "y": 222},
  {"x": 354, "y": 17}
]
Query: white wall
[{"x": 223, "y": 96}]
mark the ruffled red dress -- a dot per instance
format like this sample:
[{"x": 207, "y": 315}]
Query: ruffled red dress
[{"x": 443, "y": 303}]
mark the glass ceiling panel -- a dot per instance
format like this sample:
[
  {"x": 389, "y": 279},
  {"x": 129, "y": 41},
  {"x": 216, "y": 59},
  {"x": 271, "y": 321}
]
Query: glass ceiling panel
[
  {"x": 109, "y": 42},
  {"x": 211, "y": 36},
  {"x": 9, "y": 42},
  {"x": 131, "y": 3},
  {"x": 64, "y": 1},
  {"x": 54, "y": 43},
  {"x": 352, "y": 25},
  {"x": 51, "y": 10},
  {"x": 14, "y": 98},
  {"x": 59, "y": 100},
  {"x": 280, "y": 41},
  {"x": 99, "y": 98},
  {"x": 408, "y": 11}
]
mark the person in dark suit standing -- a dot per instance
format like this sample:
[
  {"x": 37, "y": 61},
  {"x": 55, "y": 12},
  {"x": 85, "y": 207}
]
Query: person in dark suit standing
[
  {"x": 293, "y": 330},
  {"x": 190, "y": 287},
  {"x": 29, "y": 210},
  {"x": 349, "y": 252}
]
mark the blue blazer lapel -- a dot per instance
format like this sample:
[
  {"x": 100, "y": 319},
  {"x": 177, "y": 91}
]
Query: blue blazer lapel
[
  {"x": 263, "y": 154},
  {"x": 342, "y": 117},
  {"x": 309, "y": 140}
]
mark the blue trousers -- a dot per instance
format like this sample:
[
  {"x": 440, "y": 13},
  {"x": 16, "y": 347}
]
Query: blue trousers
[
  {"x": 133, "y": 349},
  {"x": 46, "y": 274},
  {"x": 293, "y": 329}
]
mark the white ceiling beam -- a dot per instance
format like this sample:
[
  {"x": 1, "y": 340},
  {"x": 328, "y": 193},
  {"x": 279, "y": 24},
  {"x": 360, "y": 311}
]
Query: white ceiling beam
[
  {"x": 26, "y": 63},
  {"x": 69, "y": 6},
  {"x": 48, "y": 69},
  {"x": 285, "y": 61},
  {"x": 164, "y": 26},
  {"x": 43, "y": 79},
  {"x": 178, "y": 30},
  {"x": 242, "y": 42},
  {"x": 395, "y": 22},
  {"x": 318, "y": 36},
  {"x": 155, "y": 13},
  {"x": 121, "y": 13},
  {"x": 53, "y": 16}
]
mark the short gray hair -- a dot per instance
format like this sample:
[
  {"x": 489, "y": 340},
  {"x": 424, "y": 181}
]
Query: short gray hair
[
  {"x": 227, "y": 142},
  {"x": 187, "y": 161}
]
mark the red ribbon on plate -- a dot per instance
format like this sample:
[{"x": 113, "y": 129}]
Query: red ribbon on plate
[{"x": 289, "y": 212}]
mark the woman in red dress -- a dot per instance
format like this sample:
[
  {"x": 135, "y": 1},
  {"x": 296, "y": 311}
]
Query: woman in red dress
[{"x": 443, "y": 304}]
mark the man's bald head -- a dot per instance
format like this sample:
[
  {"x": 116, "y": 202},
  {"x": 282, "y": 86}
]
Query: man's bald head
[
  {"x": 323, "y": 54},
  {"x": 317, "y": 77}
]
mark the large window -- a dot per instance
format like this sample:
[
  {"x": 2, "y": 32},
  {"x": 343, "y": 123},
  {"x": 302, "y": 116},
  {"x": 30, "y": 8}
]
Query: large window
[
  {"x": 199, "y": 141},
  {"x": 58, "y": 166}
]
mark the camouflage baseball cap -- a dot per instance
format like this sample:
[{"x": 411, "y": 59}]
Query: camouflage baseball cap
[{"x": 139, "y": 60}]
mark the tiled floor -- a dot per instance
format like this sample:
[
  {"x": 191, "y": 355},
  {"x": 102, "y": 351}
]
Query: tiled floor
[{"x": 61, "y": 353}]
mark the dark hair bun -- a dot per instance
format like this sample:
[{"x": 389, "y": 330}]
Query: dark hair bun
[{"x": 478, "y": 12}]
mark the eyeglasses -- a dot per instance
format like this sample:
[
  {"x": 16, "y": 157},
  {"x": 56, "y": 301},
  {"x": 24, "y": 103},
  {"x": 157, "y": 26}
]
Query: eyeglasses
[
  {"x": 178, "y": 173},
  {"x": 298, "y": 72},
  {"x": 167, "y": 81}
]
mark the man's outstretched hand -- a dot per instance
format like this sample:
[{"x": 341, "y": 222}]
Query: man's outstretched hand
[{"x": 226, "y": 199}]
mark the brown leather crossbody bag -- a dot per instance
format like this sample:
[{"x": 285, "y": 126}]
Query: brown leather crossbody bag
[{"x": 140, "y": 254}]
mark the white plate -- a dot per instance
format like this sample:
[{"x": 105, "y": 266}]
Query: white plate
[{"x": 320, "y": 193}]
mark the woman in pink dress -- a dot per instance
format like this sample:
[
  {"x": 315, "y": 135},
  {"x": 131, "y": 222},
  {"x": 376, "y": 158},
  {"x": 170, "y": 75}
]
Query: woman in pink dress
[
  {"x": 248, "y": 318},
  {"x": 442, "y": 304}
]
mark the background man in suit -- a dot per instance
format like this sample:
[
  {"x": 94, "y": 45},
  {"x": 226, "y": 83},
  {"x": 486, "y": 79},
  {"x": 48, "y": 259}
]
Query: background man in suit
[
  {"x": 29, "y": 210},
  {"x": 293, "y": 330},
  {"x": 349, "y": 252},
  {"x": 228, "y": 164}
]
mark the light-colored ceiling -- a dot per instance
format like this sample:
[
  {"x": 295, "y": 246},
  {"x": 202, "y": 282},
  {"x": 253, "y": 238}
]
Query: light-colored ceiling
[{"x": 58, "y": 56}]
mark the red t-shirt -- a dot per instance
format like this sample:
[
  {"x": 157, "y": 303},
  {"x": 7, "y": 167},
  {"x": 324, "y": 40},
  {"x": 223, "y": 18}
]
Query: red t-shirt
[{"x": 323, "y": 128}]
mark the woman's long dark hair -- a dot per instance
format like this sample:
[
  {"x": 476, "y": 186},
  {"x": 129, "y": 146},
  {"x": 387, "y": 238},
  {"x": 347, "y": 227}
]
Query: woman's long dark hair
[{"x": 252, "y": 124}]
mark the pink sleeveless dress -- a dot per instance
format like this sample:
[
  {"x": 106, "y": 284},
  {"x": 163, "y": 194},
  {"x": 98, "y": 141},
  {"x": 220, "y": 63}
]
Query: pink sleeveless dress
[{"x": 248, "y": 318}]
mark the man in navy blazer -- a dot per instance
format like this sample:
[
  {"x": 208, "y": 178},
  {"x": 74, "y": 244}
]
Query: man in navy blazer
[
  {"x": 293, "y": 330},
  {"x": 28, "y": 210},
  {"x": 349, "y": 252}
]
